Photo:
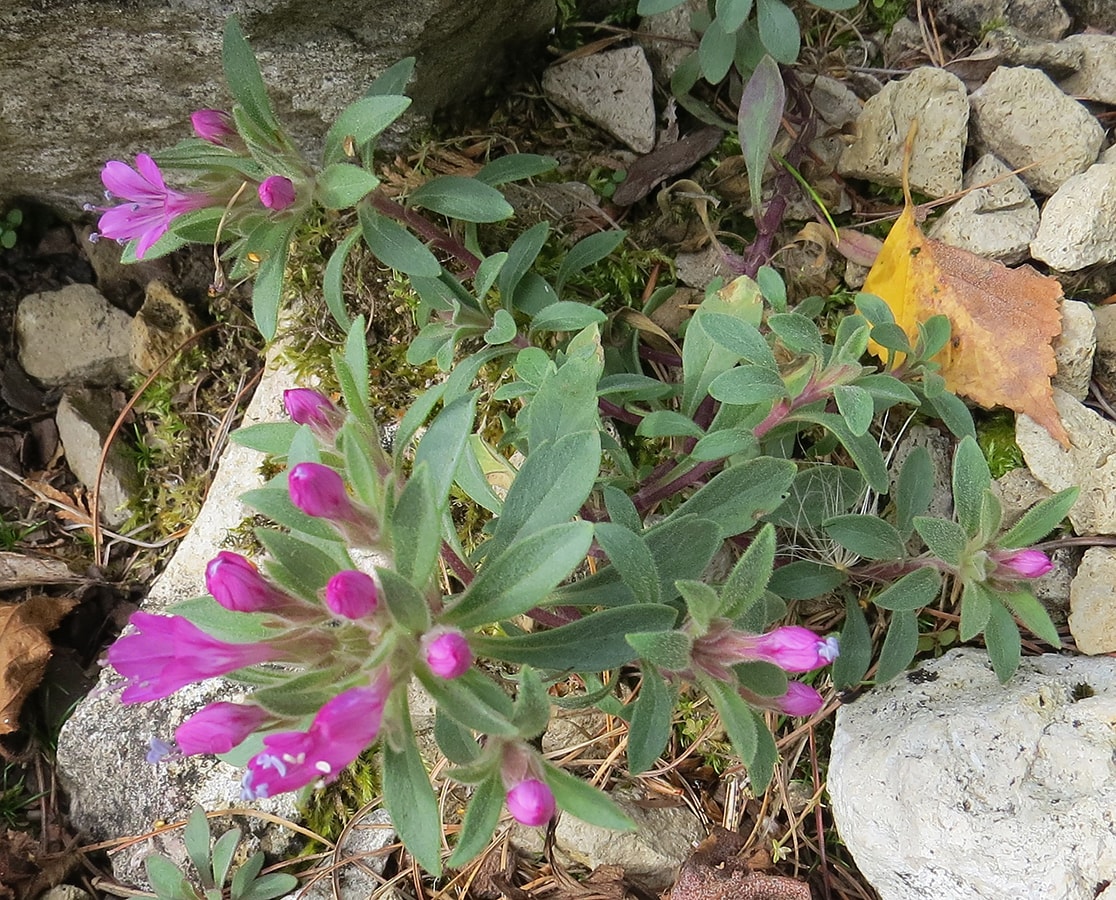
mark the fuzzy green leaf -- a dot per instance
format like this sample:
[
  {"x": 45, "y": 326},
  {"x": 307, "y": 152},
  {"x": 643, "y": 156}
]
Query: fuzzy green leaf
[
  {"x": 856, "y": 407},
  {"x": 970, "y": 480},
  {"x": 481, "y": 817},
  {"x": 581, "y": 799},
  {"x": 761, "y": 109},
  {"x": 668, "y": 650},
  {"x": 737, "y": 496},
  {"x": 899, "y": 646},
  {"x": 856, "y": 647},
  {"x": 462, "y": 198},
  {"x": 586, "y": 252},
  {"x": 362, "y": 121},
  {"x": 395, "y": 246},
  {"x": 515, "y": 167},
  {"x": 410, "y": 798},
  {"x": 914, "y": 490},
  {"x": 1042, "y": 518},
  {"x": 749, "y": 577},
  {"x": 736, "y": 716},
  {"x": 629, "y": 554},
  {"x": 1001, "y": 636},
  {"x": 945, "y": 539},
  {"x": 343, "y": 185},
  {"x": 867, "y": 536},
  {"x": 911, "y": 592},
  {"x": 652, "y": 716},
  {"x": 245, "y": 83},
  {"x": 1032, "y": 614},
  {"x": 976, "y": 608}
]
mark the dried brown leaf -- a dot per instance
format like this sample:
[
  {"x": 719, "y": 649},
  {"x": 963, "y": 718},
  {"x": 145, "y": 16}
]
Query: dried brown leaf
[{"x": 25, "y": 650}]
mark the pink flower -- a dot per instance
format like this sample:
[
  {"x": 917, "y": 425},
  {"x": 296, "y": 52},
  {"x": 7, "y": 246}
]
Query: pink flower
[
  {"x": 320, "y": 492},
  {"x": 150, "y": 206},
  {"x": 277, "y": 192},
  {"x": 237, "y": 584},
  {"x": 1029, "y": 563},
  {"x": 213, "y": 125},
  {"x": 446, "y": 651},
  {"x": 307, "y": 407},
  {"x": 218, "y": 727},
  {"x": 792, "y": 648},
  {"x": 799, "y": 700},
  {"x": 531, "y": 802},
  {"x": 352, "y": 594},
  {"x": 342, "y": 728},
  {"x": 170, "y": 652}
]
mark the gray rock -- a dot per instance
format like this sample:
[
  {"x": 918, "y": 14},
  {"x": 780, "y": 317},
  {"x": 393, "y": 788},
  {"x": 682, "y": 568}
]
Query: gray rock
[
  {"x": 955, "y": 787},
  {"x": 663, "y": 840},
  {"x": 699, "y": 268},
  {"x": 84, "y": 420},
  {"x": 1074, "y": 349},
  {"x": 1053, "y": 588},
  {"x": 1022, "y": 117},
  {"x": 66, "y": 892},
  {"x": 73, "y": 336},
  {"x": 1018, "y": 490},
  {"x": 940, "y": 449},
  {"x": 1092, "y": 619},
  {"x": 667, "y": 38},
  {"x": 1089, "y": 463},
  {"x": 904, "y": 42},
  {"x": 997, "y": 221},
  {"x": 1096, "y": 78},
  {"x": 938, "y": 101},
  {"x": 350, "y": 870},
  {"x": 1012, "y": 47},
  {"x": 160, "y": 327},
  {"x": 1104, "y": 359},
  {"x": 611, "y": 89},
  {"x": 110, "y": 80},
  {"x": 1038, "y": 18},
  {"x": 1099, "y": 15},
  {"x": 1078, "y": 223},
  {"x": 835, "y": 104}
]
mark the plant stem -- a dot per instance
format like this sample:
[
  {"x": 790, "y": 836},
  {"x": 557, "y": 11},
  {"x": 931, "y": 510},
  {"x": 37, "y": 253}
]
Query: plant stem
[{"x": 421, "y": 225}]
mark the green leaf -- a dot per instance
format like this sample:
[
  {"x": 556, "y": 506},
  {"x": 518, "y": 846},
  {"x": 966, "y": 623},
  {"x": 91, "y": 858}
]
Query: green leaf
[
  {"x": 521, "y": 256},
  {"x": 970, "y": 480},
  {"x": 654, "y": 7},
  {"x": 946, "y": 540},
  {"x": 737, "y": 496},
  {"x": 796, "y": 333},
  {"x": 245, "y": 83},
  {"x": 867, "y": 536},
  {"x": 914, "y": 490},
  {"x": 1041, "y": 519},
  {"x": 268, "y": 887},
  {"x": 592, "y": 644},
  {"x": 395, "y": 246},
  {"x": 523, "y": 575},
  {"x": 887, "y": 389},
  {"x": 764, "y": 679},
  {"x": 760, "y": 114},
  {"x": 723, "y": 443},
  {"x": 275, "y": 503},
  {"x": 1032, "y": 614},
  {"x": 749, "y": 577},
  {"x": 747, "y": 385},
  {"x": 620, "y": 508},
  {"x": 911, "y": 592},
  {"x": 566, "y": 315},
  {"x": 224, "y": 848},
  {"x": 953, "y": 412},
  {"x": 246, "y": 874},
  {"x": 473, "y": 700},
  {"x": 629, "y": 554},
  {"x": 333, "y": 279},
  {"x": 444, "y": 442},
  {"x": 410, "y": 798},
  {"x": 515, "y": 167},
  {"x": 167, "y": 880},
  {"x": 273, "y": 438},
  {"x": 481, "y": 817},
  {"x": 818, "y": 493},
  {"x": 197, "y": 839},
  {"x": 856, "y": 647},
  {"x": 899, "y": 647},
  {"x": 503, "y": 328},
  {"x": 455, "y": 740},
  {"x": 778, "y": 30},
  {"x": 856, "y": 407},
  {"x": 342, "y": 185},
  {"x": 581, "y": 799},
  {"x": 301, "y": 695},
  {"x": 416, "y": 528},
  {"x": 652, "y": 718},
  {"x": 740, "y": 337},
  {"x": 668, "y": 650},
  {"x": 976, "y": 608},
  {"x": 404, "y": 601},
  {"x": 271, "y": 244},
  {"x": 702, "y": 604},
  {"x": 763, "y": 765},
  {"x": 532, "y": 705},
  {"x": 306, "y": 564},
  {"x": 394, "y": 79},
  {"x": 668, "y": 423},
  {"x": 362, "y": 121},
  {"x": 732, "y": 13},
  {"x": 462, "y": 198},
  {"x": 702, "y": 361},
  {"x": 716, "y": 52},
  {"x": 221, "y": 623},
  {"x": 566, "y": 401},
  {"x": 891, "y": 337},
  {"x": 586, "y": 252},
  {"x": 1001, "y": 636},
  {"x": 736, "y": 716},
  {"x": 863, "y": 449}
]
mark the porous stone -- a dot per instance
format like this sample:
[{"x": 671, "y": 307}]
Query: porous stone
[
  {"x": 160, "y": 327},
  {"x": 1098, "y": 15},
  {"x": 611, "y": 89},
  {"x": 700, "y": 267},
  {"x": 1038, "y": 18},
  {"x": 946, "y": 784},
  {"x": 667, "y": 37},
  {"x": 73, "y": 336},
  {"x": 1018, "y": 490},
  {"x": 1074, "y": 349},
  {"x": 85, "y": 420},
  {"x": 1096, "y": 78},
  {"x": 996, "y": 221},
  {"x": 1092, "y": 619},
  {"x": 1104, "y": 359},
  {"x": 1089, "y": 463},
  {"x": 109, "y": 80},
  {"x": 938, "y": 101},
  {"x": 1012, "y": 47},
  {"x": 1022, "y": 117},
  {"x": 66, "y": 892},
  {"x": 1078, "y": 223},
  {"x": 939, "y": 448}
]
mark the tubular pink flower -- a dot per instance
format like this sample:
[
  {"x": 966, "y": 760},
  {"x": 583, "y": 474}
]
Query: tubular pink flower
[
  {"x": 170, "y": 652},
  {"x": 1028, "y": 563},
  {"x": 792, "y": 648},
  {"x": 352, "y": 594},
  {"x": 218, "y": 727},
  {"x": 799, "y": 700},
  {"x": 276, "y": 192},
  {"x": 237, "y": 584},
  {"x": 308, "y": 407},
  {"x": 213, "y": 125},
  {"x": 531, "y": 802},
  {"x": 150, "y": 206},
  {"x": 342, "y": 728},
  {"x": 320, "y": 492},
  {"x": 446, "y": 651}
]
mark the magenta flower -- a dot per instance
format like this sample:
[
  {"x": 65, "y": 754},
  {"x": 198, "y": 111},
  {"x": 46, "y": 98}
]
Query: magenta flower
[
  {"x": 237, "y": 584},
  {"x": 446, "y": 651},
  {"x": 1029, "y": 563},
  {"x": 799, "y": 700},
  {"x": 342, "y": 728},
  {"x": 352, "y": 594},
  {"x": 277, "y": 192},
  {"x": 320, "y": 492},
  {"x": 792, "y": 648},
  {"x": 308, "y": 407},
  {"x": 170, "y": 652},
  {"x": 213, "y": 125},
  {"x": 150, "y": 206},
  {"x": 218, "y": 727},
  {"x": 531, "y": 802}
]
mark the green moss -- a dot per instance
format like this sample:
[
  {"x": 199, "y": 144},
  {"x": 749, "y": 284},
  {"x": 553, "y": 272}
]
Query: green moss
[
  {"x": 327, "y": 811},
  {"x": 996, "y": 437}
]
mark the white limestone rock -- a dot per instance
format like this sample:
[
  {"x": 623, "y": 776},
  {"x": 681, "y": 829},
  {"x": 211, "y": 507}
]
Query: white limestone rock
[
  {"x": 1078, "y": 223},
  {"x": 1096, "y": 78},
  {"x": 1092, "y": 618},
  {"x": 1104, "y": 359},
  {"x": 611, "y": 89},
  {"x": 945, "y": 784},
  {"x": 1022, "y": 117},
  {"x": 1074, "y": 349}
]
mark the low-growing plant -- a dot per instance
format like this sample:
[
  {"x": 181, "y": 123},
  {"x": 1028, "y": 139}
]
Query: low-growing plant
[
  {"x": 8, "y": 225},
  {"x": 753, "y": 431}
]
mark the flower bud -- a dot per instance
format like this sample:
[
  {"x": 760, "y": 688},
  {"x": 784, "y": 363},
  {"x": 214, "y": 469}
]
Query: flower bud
[
  {"x": 213, "y": 125},
  {"x": 308, "y": 407},
  {"x": 320, "y": 492},
  {"x": 1028, "y": 563},
  {"x": 446, "y": 651},
  {"x": 352, "y": 594},
  {"x": 794, "y": 648},
  {"x": 799, "y": 700},
  {"x": 218, "y": 727},
  {"x": 531, "y": 802},
  {"x": 277, "y": 192},
  {"x": 237, "y": 584}
]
